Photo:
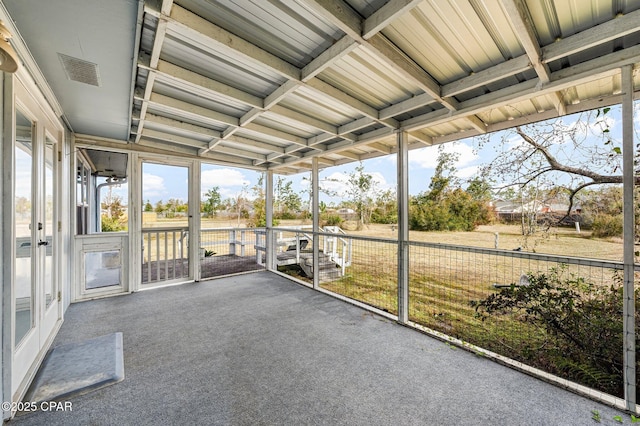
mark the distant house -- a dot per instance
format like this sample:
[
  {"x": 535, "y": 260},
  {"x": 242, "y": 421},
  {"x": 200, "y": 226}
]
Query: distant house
[
  {"x": 510, "y": 210},
  {"x": 346, "y": 211}
]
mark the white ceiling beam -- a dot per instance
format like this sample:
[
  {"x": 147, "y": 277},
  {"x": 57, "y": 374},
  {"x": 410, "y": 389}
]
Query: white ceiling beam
[
  {"x": 166, "y": 6},
  {"x": 276, "y": 156},
  {"x": 191, "y": 111},
  {"x": 385, "y": 15},
  {"x": 226, "y": 159},
  {"x": 339, "y": 49},
  {"x": 422, "y": 138},
  {"x": 277, "y": 134},
  {"x": 341, "y": 145},
  {"x": 158, "y": 41},
  {"x": 208, "y": 35},
  {"x": 145, "y": 103},
  {"x": 558, "y": 103},
  {"x": 212, "y": 144},
  {"x": 159, "y": 147},
  {"x": 280, "y": 93},
  {"x": 204, "y": 33},
  {"x": 519, "y": 18},
  {"x": 400, "y": 62},
  {"x": 344, "y": 17},
  {"x": 327, "y": 162},
  {"x": 168, "y": 137},
  {"x": 355, "y": 125},
  {"x": 398, "y": 59},
  {"x": 476, "y": 123},
  {"x": 523, "y": 27},
  {"x": 340, "y": 14},
  {"x": 322, "y": 138},
  {"x": 357, "y": 106},
  {"x": 181, "y": 125},
  {"x": 407, "y": 105},
  {"x": 250, "y": 116},
  {"x": 379, "y": 147},
  {"x": 244, "y": 153},
  {"x": 621, "y": 26},
  {"x": 487, "y": 76},
  {"x": 375, "y": 135},
  {"x": 156, "y": 147},
  {"x": 228, "y": 135},
  {"x": 349, "y": 155},
  {"x": 203, "y": 86},
  {"x": 576, "y": 43},
  {"x": 286, "y": 171},
  {"x": 247, "y": 142},
  {"x": 317, "y": 124},
  {"x": 560, "y": 80}
]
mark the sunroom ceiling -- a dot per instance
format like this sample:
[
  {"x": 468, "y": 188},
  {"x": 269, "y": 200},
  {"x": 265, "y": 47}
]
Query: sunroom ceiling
[{"x": 273, "y": 84}]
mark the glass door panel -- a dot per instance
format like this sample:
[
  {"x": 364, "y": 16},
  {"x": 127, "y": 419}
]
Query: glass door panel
[
  {"x": 165, "y": 224},
  {"x": 24, "y": 271},
  {"x": 49, "y": 240}
]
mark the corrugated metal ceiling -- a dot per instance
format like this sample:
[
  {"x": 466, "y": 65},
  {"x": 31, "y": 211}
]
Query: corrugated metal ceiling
[{"x": 273, "y": 84}]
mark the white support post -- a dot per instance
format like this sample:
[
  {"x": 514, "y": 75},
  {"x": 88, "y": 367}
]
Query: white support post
[
  {"x": 135, "y": 222},
  {"x": 232, "y": 242},
  {"x": 194, "y": 220},
  {"x": 403, "y": 227},
  {"x": 315, "y": 193},
  {"x": 628, "y": 152},
  {"x": 270, "y": 252}
]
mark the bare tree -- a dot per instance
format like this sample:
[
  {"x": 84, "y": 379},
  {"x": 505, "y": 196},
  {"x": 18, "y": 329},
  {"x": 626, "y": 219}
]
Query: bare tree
[{"x": 570, "y": 154}]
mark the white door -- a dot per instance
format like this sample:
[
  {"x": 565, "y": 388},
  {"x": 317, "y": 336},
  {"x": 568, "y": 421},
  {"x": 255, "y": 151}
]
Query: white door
[
  {"x": 167, "y": 239},
  {"x": 47, "y": 251},
  {"x": 35, "y": 296}
]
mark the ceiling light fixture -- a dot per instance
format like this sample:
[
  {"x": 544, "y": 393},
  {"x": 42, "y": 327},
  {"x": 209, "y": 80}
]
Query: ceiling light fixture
[{"x": 8, "y": 57}]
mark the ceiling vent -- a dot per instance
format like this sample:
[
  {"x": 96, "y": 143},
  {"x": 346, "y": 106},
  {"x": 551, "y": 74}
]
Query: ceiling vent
[{"x": 80, "y": 70}]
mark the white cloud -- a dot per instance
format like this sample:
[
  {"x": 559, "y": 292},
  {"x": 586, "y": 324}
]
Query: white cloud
[
  {"x": 588, "y": 127},
  {"x": 467, "y": 172},
  {"x": 337, "y": 182},
  {"x": 224, "y": 178},
  {"x": 427, "y": 158},
  {"x": 230, "y": 182},
  {"x": 380, "y": 181},
  {"x": 152, "y": 186}
]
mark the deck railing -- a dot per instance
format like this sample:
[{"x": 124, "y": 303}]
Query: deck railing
[
  {"x": 478, "y": 297},
  {"x": 225, "y": 251},
  {"x": 164, "y": 254}
]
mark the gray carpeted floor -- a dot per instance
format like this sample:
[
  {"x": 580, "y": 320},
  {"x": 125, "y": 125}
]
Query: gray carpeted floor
[{"x": 259, "y": 349}]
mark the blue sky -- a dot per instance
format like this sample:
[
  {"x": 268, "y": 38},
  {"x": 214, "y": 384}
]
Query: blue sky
[{"x": 163, "y": 182}]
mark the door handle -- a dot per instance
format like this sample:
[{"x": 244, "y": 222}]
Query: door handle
[{"x": 43, "y": 243}]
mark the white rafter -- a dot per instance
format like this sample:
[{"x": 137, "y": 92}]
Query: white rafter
[
  {"x": 517, "y": 15},
  {"x": 247, "y": 137}
]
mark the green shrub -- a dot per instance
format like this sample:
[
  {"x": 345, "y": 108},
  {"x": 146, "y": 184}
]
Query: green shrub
[
  {"x": 286, "y": 215},
  {"x": 456, "y": 210},
  {"x": 605, "y": 225},
  {"x": 112, "y": 224},
  {"x": 583, "y": 324},
  {"x": 333, "y": 220},
  {"x": 378, "y": 216}
]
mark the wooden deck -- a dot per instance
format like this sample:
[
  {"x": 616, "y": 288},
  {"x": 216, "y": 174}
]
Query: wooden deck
[{"x": 210, "y": 267}]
